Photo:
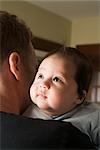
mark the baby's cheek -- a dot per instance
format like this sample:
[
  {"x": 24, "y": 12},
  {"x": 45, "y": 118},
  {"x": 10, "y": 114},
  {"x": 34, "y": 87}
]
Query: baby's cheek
[
  {"x": 35, "y": 83},
  {"x": 32, "y": 94},
  {"x": 35, "y": 87}
]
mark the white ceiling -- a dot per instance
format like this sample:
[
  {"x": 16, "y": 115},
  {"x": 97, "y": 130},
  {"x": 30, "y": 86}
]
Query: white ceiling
[{"x": 70, "y": 9}]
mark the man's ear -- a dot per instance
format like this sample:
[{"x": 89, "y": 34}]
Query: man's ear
[
  {"x": 81, "y": 98},
  {"x": 14, "y": 62}
]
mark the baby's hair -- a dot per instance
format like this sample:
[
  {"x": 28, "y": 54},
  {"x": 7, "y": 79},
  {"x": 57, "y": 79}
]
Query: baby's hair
[{"x": 83, "y": 65}]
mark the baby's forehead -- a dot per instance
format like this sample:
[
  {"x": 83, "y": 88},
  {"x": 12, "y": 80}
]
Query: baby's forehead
[
  {"x": 61, "y": 58},
  {"x": 56, "y": 59},
  {"x": 57, "y": 63}
]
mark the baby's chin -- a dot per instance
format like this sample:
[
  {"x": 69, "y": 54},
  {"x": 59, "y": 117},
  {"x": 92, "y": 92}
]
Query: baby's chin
[
  {"x": 41, "y": 103},
  {"x": 42, "y": 106}
]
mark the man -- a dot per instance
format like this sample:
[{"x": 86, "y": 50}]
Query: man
[
  {"x": 17, "y": 64},
  {"x": 17, "y": 70}
]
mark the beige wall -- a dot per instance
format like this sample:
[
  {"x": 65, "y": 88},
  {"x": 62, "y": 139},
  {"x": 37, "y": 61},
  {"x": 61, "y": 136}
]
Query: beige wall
[
  {"x": 55, "y": 28},
  {"x": 85, "y": 31},
  {"x": 43, "y": 23}
]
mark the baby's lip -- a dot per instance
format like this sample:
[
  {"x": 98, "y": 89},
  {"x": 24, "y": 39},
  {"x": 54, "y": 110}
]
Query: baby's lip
[{"x": 42, "y": 95}]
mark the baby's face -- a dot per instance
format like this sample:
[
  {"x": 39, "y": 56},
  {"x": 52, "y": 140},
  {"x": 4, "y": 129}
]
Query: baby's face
[{"x": 54, "y": 89}]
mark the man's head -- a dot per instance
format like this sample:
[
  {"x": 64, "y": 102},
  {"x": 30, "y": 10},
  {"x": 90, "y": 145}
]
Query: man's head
[{"x": 17, "y": 61}]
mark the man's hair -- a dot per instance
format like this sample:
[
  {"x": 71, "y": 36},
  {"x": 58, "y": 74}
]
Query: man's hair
[
  {"x": 14, "y": 35},
  {"x": 83, "y": 75}
]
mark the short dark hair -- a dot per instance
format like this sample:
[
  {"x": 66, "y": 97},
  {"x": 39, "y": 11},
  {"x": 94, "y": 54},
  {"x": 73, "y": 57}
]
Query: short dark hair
[
  {"x": 83, "y": 65},
  {"x": 14, "y": 35}
]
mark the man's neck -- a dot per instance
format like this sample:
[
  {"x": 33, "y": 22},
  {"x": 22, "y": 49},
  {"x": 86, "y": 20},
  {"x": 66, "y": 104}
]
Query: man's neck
[
  {"x": 8, "y": 110},
  {"x": 8, "y": 105}
]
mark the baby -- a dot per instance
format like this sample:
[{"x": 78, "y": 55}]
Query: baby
[{"x": 60, "y": 89}]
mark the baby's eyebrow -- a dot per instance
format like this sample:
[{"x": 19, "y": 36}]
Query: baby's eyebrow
[{"x": 41, "y": 68}]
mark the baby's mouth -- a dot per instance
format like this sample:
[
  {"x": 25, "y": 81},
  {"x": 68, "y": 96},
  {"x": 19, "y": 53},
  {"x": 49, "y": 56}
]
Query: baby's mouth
[{"x": 42, "y": 95}]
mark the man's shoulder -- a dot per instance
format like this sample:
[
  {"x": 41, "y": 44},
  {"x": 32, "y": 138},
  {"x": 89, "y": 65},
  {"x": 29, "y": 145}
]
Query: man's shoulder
[
  {"x": 24, "y": 124},
  {"x": 11, "y": 119},
  {"x": 22, "y": 132}
]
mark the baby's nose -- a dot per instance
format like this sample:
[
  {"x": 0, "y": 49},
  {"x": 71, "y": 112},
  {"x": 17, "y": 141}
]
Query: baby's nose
[{"x": 45, "y": 85}]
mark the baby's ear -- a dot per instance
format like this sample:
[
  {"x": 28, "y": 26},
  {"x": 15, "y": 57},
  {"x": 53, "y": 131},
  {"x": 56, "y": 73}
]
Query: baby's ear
[
  {"x": 81, "y": 97},
  {"x": 14, "y": 62}
]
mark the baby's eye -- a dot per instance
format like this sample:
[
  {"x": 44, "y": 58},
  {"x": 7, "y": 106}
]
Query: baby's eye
[
  {"x": 56, "y": 79},
  {"x": 40, "y": 76}
]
